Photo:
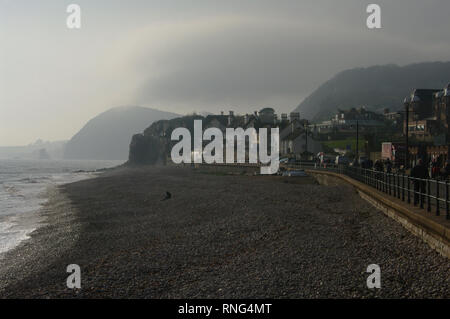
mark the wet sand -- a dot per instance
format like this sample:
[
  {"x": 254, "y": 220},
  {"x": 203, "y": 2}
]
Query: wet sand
[{"x": 219, "y": 236}]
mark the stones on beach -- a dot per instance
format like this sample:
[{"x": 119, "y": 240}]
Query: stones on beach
[
  {"x": 168, "y": 196},
  {"x": 223, "y": 237}
]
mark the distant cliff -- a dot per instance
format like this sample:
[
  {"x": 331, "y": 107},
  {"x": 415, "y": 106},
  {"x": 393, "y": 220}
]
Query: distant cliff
[
  {"x": 375, "y": 87},
  {"x": 37, "y": 150},
  {"x": 107, "y": 136}
]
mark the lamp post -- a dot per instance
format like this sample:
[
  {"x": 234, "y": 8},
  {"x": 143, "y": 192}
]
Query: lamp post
[
  {"x": 306, "y": 142},
  {"x": 406, "y": 132},
  {"x": 357, "y": 142}
]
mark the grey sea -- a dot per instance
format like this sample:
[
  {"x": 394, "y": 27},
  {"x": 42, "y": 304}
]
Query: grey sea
[{"x": 23, "y": 189}]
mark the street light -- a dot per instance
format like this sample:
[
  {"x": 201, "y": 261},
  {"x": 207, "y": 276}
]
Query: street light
[
  {"x": 406, "y": 103},
  {"x": 306, "y": 142},
  {"x": 357, "y": 141}
]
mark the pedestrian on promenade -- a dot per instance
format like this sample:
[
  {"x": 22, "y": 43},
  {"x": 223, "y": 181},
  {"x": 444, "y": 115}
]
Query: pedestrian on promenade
[
  {"x": 420, "y": 172},
  {"x": 379, "y": 166},
  {"x": 434, "y": 168},
  {"x": 388, "y": 166},
  {"x": 446, "y": 170}
]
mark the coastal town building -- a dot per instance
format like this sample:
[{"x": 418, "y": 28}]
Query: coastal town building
[
  {"x": 428, "y": 112},
  {"x": 294, "y": 116},
  {"x": 441, "y": 107},
  {"x": 294, "y": 142},
  {"x": 297, "y": 143},
  {"x": 395, "y": 118},
  {"x": 421, "y": 118},
  {"x": 292, "y": 129},
  {"x": 428, "y": 122},
  {"x": 267, "y": 116},
  {"x": 346, "y": 121}
]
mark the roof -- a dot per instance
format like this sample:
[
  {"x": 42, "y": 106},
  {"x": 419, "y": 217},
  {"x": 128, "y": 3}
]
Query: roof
[
  {"x": 423, "y": 95},
  {"x": 222, "y": 119},
  {"x": 415, "y": 98},
  {"x": 267, "y": 110},
  {"x": 293, "y": 135}
]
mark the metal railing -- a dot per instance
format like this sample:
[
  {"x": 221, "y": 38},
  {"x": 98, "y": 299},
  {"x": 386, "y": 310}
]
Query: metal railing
[{"x": 429, "y": 194}]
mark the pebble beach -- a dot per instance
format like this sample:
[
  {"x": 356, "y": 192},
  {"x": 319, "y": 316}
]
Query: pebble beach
[{"x": 220, "y": 235}]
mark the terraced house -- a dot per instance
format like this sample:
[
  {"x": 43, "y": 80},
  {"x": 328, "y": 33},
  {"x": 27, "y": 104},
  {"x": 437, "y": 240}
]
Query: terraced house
[{"x": 428, "y": 122}]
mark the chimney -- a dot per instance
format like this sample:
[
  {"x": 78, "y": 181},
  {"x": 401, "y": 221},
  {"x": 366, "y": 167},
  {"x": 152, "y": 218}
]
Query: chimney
[
  {"x": 230, "y": 118},
  {"x": 295, "y": 116}
]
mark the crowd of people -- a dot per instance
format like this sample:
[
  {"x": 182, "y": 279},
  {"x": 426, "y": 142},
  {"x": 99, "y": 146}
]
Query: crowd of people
[
  {"x": 380, "y": 166},
  {"x": 433, "y": 170},
  {"x": 420, "y": 172}
]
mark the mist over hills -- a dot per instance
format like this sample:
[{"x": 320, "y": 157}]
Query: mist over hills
[
  {"x": 36, "y": 150},
  {"x": 375, "y": 87},
  {"x": 108, "y": 135}
]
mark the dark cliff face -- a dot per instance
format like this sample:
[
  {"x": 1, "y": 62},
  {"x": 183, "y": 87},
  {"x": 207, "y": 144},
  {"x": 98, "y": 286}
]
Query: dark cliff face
[
  {"x": 374, "y": 87},
  {"x": 146, "y": 149},
  {"x": 154, "y": 145}
]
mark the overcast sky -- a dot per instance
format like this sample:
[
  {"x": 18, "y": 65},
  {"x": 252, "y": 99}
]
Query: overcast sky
[{"x": 184, "y": 56}]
